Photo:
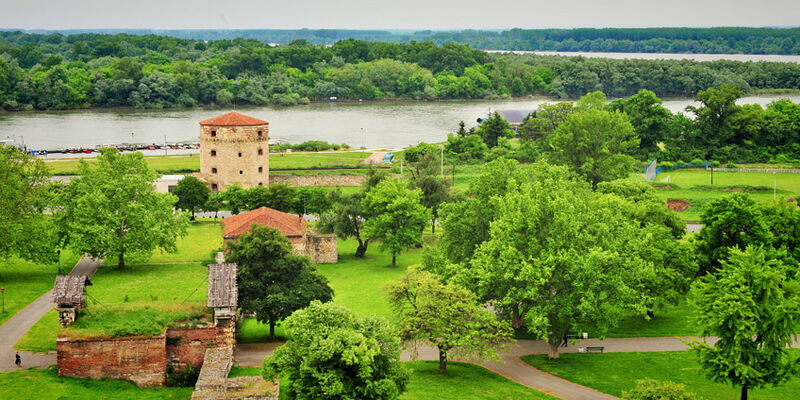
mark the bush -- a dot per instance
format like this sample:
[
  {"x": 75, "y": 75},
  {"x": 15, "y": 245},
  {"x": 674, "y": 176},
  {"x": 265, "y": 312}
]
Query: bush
[
  {"x": 651, "y": 389},
  {"x": 185, "y": 378}
]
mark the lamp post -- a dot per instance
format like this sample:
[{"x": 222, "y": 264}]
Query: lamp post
[
  {"x": 3, "y": 295},
  {"x": 59, "y": 261},
  {"x": 775, "y": 188}
]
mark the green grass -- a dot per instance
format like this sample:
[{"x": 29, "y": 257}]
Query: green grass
[
  {"x": 41, "y": 338},
  {"x": 191, "y": 162},
  {"x": 25, "y": 281},
  {"x": 252, "y": 331},
  {"x": 615, "y": 372},
  {"x": 202, "y": 238},
  {"x": 670, "y": 321},
  {"x": 693, "y": 186},
  {"x": 462, "y": 382},
  {"x": 45, "y": 384},
  {"x": 135, "y": 319}
]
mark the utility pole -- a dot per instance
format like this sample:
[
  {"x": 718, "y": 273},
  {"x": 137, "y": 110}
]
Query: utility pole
[
  {"x": 775, "y": 188},
  {"x": 441, "y": 163},
  {"x": 401, "y": 163},
  {"x": 363, "y": 139},
  {"x": 3, "y": 295},
  {"x": 165, "y": 144},
  {"x": 59, "y": 261}
]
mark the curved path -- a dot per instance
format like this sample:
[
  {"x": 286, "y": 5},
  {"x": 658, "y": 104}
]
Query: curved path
[
  {"x": 514, "y": 368},
  {"x": 13, "y": 329}
]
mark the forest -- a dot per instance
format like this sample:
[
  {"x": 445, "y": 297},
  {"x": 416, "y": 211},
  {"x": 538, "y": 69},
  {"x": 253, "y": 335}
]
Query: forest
[{"x": 54, "y": 71}]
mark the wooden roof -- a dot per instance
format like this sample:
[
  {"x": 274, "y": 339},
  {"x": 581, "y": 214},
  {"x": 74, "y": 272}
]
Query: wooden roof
[
  {"x": 69, "y": 289},
  {"x": 222, "y": 289},
  {"x": 233, "y": 119},
  {"x": 289, "y": 225}
]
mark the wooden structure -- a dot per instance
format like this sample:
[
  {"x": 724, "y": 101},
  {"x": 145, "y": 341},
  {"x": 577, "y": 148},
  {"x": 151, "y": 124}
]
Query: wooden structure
[
  {"x": 69, "y": 295},
  {"x": 223, "y": 294}
]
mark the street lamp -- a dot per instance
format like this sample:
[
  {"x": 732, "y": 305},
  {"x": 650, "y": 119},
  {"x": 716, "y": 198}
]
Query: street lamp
[
  {"x": 59, "y": 261},
  {"x": 363, "y": 139},
  {"x": 3, "y": 295}
]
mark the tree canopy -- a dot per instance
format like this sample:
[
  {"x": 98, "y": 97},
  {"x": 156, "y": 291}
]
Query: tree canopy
[{"x": 192, "y": 194}]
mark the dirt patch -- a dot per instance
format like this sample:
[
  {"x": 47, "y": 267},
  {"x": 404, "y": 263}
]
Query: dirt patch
[
  {"x": 677, "y": 205},
  {"x": 375, "y": 158}
]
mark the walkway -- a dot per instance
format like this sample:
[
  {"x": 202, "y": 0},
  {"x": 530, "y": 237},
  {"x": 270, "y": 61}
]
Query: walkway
[
  {"x": 13, "y": 329},
  {"x": 251, "y": 355}
]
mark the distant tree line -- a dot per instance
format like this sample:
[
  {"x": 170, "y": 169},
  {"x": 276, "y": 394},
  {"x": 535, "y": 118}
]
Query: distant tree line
[
  {"x": 630, "y": 40},
  {"x": 62, "y": 72}
]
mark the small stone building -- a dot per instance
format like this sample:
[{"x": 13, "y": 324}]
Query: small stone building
[
  {"x": 319, "y": 248},
  {"x": 234, "y": 149},
  {"x": 69, "y": 295}
]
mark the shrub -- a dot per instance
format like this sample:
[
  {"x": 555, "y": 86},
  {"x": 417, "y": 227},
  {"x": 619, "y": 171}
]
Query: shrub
[
  {"x": 185, "y": 378},
  {"x": 651, "y": 389}
]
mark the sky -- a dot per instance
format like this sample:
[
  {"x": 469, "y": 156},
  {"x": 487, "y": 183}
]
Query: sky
[{"x": 395, "y": 14}]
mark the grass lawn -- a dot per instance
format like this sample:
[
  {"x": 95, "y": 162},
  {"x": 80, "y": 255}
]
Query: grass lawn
[
  {"x": 45, "y": 384},
  {"x": 42, "y": 336},
  {"x": 252, "y": 331},
  {"x": 694, "y": 187},
  {"x": 615, "y": 372},
  {"x": 202, "y": 238},
  {"x": 25, "y": 281},
  {"x": 462, "y": 381},
  {"x": 671, "y": 321},
  {"x": 191, "y": 162}
]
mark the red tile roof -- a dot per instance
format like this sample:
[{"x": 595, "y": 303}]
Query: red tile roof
[
  {"x": 289, "y": 225},
  {"x": 233, "y": 119}
]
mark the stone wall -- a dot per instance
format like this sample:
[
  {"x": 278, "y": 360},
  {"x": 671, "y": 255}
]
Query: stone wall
[
  {"x": 322, "y": 249},
  {"x": 317, "y": 180},
  {"x": 188, "y": 345},
  {"x": 230, "y": 154},
  {"x": 140, "y": 360}
]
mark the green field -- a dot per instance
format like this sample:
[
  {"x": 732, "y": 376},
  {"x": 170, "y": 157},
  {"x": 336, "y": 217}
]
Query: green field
[
  {"x": 191, "y": 162},
  {"x": 25, "y": 281},
  {"x": 202, "y": 238},
  {"x": 45, "y": 384},
  {"x": 615, "y": 372},
  {"x": 671, "y": 321},
  {"x": 41, "y": 338},
  {"x": 694, "y": 187}
]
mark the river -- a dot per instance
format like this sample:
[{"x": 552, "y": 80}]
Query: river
[
  {"x": 374, "y": 125},
  {"x": 661, "y": 56}
]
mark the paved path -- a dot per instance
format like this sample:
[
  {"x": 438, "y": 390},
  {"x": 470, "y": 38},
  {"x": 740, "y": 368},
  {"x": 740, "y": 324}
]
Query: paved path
[{"x": 13, "y": 329}]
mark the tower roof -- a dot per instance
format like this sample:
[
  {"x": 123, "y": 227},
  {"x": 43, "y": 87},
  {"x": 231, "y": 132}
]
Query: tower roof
[{"x": 233, "y": 119}]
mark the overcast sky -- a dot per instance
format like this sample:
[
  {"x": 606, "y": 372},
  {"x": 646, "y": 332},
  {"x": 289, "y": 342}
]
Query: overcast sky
[{"x": 395, "y": 14}]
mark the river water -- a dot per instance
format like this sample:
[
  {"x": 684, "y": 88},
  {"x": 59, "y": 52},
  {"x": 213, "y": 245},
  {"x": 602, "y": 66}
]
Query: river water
[
  {"x": 661, "y": 56},
  {"x": 374, "y": 125}
]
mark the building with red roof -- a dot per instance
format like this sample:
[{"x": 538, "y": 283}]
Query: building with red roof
[
  {"x": 291, "y": 226},
  {"x": 234, "y": 149}
]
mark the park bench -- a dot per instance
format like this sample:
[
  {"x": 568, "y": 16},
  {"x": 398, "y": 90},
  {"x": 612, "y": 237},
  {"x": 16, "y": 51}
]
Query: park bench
[{"x": 593, "y": 349}]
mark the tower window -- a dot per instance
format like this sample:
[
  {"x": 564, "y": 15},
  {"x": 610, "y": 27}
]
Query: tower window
[
  {"x": 260, "y": 169},
  {"x": 213, "y": 170},
  {"x": 213, "y": 153},
  {"x": 240, "y": 172},
  {"x": 213, "y": 133},
  {"x": 260, "y": 134},
  {"x": 214, "y": 186},
  {"x": 260, "y": 184},
  {"x": 261, "y": 152},
  {"x": 240, "y": 154}
]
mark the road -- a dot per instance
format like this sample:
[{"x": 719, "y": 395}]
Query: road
[{"x": 15, "y": 328}]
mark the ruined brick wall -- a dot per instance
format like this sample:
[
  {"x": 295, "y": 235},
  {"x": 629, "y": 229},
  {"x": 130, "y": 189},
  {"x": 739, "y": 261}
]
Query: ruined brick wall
[
  {"x": 233, "y": 151},
  {"x": 317, "y": 180},
  {"x": 140, "y": 360},
  {"x": 188, "y": 345},
  {"x": 322, "y": 249}
]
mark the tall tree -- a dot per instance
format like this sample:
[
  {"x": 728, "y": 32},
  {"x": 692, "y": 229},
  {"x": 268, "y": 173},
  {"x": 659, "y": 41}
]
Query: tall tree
[
  {"x": 425, "y": 174},
  {"x": 26, "y": 192},
  {"x": 192, "y": 194},
  {"x": 446, "y": 316},
  {"x": 713, "y": 117},
  {"x": 753, "y": 309},
  {"x": 651, "y": 121},
  {"x": 595, "y": 144},
  {"x": 397, "y": 219},
  {"x": 333, "y": 354},
  {"x": 273, "y": 281},
  {"x": 494, "y": 128},
  {"x": 112, "y": 209}
]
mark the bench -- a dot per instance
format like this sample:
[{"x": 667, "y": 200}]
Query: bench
[{"x": 593, "y": 349}]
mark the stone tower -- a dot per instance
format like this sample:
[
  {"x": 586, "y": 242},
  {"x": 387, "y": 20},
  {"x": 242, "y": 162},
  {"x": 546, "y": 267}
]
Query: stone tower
[{"x": 234, "y": 148}]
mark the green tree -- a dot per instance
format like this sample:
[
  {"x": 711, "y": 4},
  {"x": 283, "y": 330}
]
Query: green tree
[
  {"x": 562, "y": 257},
  {"x": 494, "y": 128},
  {"x": 235, "y": 198},
  {"x": 273, "y": 281},
  {"x": 192, "y": 194},
  {"x": 713, "y": 118},
  {"x": 424, "y": 168},
  {"x": 112, "y": 209},
  {"x": 733, "y": 221},
  {"x": 595, "y": 144},
  {"x": 651, "y": 121},
  {"x": 753, "y": 309},
  {"x": 543, "y": 122},
  {"x": 25, "y": 231},
  {"x": 397, "y": 217},
  {"x": 446, "y": 316},
  {"x": 214, "y": 202},
  {"x": 333, "y": 354}
]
